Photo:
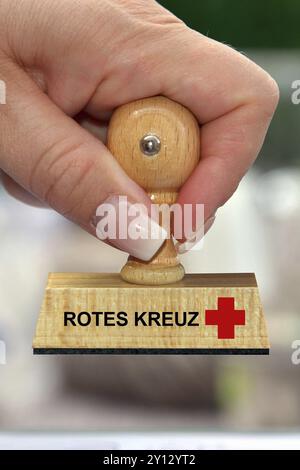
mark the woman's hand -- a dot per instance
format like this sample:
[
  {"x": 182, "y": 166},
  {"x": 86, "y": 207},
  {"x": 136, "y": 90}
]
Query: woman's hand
[{"x": 60, "y": 59}]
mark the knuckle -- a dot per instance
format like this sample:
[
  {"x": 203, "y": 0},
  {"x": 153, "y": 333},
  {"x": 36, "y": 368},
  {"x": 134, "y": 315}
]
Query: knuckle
[
  {"x": 270, "y": 91},
  {"x": 68, "y": 187},
  {"x": 258, "y": 86},
  {"x": 60, "y": 176},
  {"x": 267, "y": 92}
]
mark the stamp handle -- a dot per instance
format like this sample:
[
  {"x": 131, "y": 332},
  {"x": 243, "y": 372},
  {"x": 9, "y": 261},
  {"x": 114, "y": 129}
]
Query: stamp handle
[{"x": 157, "y": 142}]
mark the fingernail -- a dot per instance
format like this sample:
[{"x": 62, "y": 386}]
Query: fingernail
[
  {"x": 127, "y": 226},
  {"x": 191, "y": 241}
]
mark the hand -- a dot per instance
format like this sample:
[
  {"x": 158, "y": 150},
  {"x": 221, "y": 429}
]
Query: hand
[{"x": 60, "y": 59}]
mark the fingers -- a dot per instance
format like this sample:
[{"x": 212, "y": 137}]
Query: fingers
[
  {"x": 96, "y": 128},
  {"x": 59, "y": 162},
  {"x": 232, "y": 98},
  {"x": 234, "y": 101},
  {"x": 229, "y": 145},
  {"x": 18, "y": 192}
]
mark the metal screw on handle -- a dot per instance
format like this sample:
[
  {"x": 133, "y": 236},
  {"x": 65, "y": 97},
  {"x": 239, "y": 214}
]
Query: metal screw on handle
[{"x": 150, "y": 145}]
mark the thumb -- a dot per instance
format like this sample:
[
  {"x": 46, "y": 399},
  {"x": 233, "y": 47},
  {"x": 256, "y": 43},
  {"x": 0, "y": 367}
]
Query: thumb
[{"x": 51, "y": 156}]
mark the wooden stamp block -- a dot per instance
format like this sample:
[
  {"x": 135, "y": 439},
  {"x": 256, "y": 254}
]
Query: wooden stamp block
[{"x": 196, "y": 295}]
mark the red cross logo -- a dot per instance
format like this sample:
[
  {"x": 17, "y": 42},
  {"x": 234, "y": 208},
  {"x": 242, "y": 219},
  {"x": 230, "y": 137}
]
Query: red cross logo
[{"x": 226, "y": 317}]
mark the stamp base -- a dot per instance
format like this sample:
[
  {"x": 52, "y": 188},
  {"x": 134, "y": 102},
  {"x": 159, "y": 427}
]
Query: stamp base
[{"x": 91, "y": 292}]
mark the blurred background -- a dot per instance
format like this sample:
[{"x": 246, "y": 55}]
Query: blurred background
[{"x": 258, "y": 230}]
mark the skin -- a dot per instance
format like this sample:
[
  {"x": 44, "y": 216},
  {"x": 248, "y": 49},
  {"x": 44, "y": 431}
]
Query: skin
[{"x": 68, "y": 63}]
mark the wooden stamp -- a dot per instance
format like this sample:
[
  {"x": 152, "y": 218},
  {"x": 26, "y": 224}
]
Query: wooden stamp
[{"x": 152, "y": 307}]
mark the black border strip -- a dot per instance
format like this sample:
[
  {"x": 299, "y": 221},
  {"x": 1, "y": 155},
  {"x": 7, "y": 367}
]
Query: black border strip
[{"x": 165, "y": 351}]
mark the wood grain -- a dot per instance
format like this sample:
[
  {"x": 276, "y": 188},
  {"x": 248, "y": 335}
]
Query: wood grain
[
  {"x": 114, "y": 280},
  {"x": 178, "y": 131},
  {"x": 108, "y": 292}
]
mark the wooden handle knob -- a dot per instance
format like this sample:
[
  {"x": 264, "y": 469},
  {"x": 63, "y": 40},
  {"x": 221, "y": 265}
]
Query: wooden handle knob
[{"x": 157, "y": 142}]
